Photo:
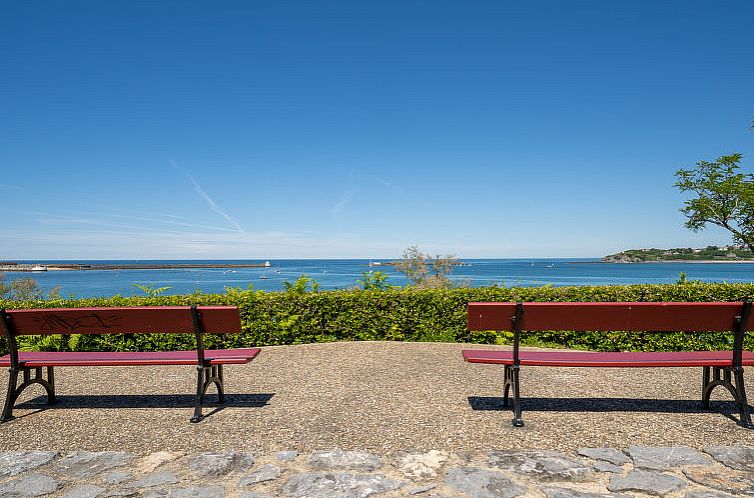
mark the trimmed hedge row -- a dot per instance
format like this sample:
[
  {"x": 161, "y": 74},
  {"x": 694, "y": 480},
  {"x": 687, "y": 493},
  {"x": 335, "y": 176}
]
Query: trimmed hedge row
[{"x": 274, "y": 318}]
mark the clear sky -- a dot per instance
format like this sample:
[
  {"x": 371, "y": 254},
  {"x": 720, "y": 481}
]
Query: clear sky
[{"x": 250, "y": 129}]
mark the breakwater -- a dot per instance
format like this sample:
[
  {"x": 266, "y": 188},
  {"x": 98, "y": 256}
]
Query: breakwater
[{"x": 126, "y": 266}]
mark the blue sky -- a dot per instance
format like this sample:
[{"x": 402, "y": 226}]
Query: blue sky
[{"x": 355, "y": 129}]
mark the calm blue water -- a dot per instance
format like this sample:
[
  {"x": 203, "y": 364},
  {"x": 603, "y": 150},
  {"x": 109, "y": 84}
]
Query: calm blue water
[{"x": 343, "y": 274}]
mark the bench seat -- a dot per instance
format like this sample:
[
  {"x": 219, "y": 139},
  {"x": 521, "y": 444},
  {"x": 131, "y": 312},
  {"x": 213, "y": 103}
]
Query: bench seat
[
  {"x": 130, "y": 358},
  {"x": 610, "y": 359}
]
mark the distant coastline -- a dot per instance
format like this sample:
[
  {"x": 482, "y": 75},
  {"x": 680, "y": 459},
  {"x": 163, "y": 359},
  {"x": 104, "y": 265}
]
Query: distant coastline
[
  {"x": 10, "y": 266},
  {"x": 689, "y": 261},
  {"x": 709, "y": 254}
]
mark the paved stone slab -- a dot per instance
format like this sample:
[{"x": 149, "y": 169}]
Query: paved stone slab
[
  {"x": 85, "y": 491},
  {"x": 114, "y": 477},
  {"x": 650, "y": 482},
  {"x": 553, "y": 492},
  {"x": 601, "y": 466},
  {"x": 544, "y": 465},
  {"x": 265, "y": 473},
  {"x": 30, "y": 485},
  {"x": 156, "y": 479},
  {"x": 612, "y": 455},
  {"x": 735, "y": 457},
  {"x": 286, "y": 456},
  {"x": 150, "y": 462},
  {"x": 420, "y": 465},
  {"x": 422, "y": 489},
  {"x": 219, "y": 463},
  {"x": 481, "y": 483},
  {"x": 722, "y": 479},
  {"x": 14, "y": 462},
  {"x": 346, "y": 474},
  {"x": 188, "y": 492},
  {"x": 82, "y": 464},
  {"x": 120, "y": 492},
  {"x": 338, "y": 485},
  {"x": 666, "y": 457},
  {"x": 344, "y": 460},
  {"x": 706, "y": 494}
]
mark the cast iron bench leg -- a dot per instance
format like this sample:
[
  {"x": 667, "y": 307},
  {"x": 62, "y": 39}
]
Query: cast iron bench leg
[
  {"x": 200, "y": 390},
  {"x": 743, "y": 405},
  {"x": 517, "y": 421},
  {"x": 507, "y": 386},
  {"x": 206, "y": 375},
  {"x": 15, "y": 390},
  {"x": 725, "y": 376},
  {"x": 10, "y": 397}
]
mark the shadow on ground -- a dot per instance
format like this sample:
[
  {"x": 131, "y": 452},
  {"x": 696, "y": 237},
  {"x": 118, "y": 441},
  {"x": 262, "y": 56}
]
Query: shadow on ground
[
  {"x": 148, "y": 401},
  {"x": 492, "y": 403}
]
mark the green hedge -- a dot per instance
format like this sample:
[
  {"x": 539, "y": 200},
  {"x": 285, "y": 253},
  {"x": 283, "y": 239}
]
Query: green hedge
[{"x": 273, "y": 318}]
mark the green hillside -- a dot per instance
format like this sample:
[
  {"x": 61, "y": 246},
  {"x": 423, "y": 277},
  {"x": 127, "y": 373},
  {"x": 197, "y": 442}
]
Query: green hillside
[{"x": 709, "y": 253}]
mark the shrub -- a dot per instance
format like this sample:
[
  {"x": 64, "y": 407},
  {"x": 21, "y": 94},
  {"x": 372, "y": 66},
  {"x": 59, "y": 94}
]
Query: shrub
[{"x": 275, "y": 318}]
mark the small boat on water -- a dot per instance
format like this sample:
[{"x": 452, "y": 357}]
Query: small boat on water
[
  {"x": 263, "y": 277},
  {"x": 39, "y": 268},
  {"x": 267, "y": 264}
]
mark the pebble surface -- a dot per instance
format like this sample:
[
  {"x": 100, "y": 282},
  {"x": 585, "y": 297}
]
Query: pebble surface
[
  {"x": 712, "y": 472},
  {"x": 372, "y": 397},
  {"x": 396, "y": 419}
]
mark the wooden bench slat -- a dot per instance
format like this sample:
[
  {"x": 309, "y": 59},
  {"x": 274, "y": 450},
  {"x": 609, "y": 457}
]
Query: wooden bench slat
[
  {"x": 130, "y": 358},
  {"x": 123, "y": 320},
  {"x": 611, "y": 359},
  {"x": 608, "y": 316}
]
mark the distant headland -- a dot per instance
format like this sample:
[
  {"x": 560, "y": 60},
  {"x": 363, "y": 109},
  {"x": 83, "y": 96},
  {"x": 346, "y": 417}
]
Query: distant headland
[{"x": 709, "y": 254}]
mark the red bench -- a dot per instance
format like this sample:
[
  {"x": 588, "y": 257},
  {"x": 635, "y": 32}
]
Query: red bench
[
  {"x": 719, "y": 368},
  {"x": 149, "y": 320}
]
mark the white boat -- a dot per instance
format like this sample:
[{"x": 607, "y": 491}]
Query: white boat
[
  {"x": 263, "y": 277},
  {"x": 39, "y": 268},
  {"x": 267, "y": 264}
]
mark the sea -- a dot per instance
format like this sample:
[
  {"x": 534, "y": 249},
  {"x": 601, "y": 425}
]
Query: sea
[{"x": 345, "y": 274}]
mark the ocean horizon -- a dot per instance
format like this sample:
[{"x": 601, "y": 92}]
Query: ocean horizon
[{"x": 332, "y": 274}]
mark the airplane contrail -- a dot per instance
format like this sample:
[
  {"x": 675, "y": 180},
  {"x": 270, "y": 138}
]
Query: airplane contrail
[{"x": 204, "y": 195}]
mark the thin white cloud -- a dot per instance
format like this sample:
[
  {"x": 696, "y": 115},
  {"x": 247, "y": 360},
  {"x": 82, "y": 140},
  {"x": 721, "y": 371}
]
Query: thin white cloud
[
  {"x": 63, "y": 242},
  {"x": 115, "y": 220},
  {"x": 204, "y": 195},
  {"x": 338, "y": 207},
  {"x": 341, "y": 204}
]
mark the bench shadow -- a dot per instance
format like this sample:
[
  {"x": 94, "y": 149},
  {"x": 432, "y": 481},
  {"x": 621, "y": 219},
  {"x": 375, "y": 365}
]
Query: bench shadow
[
  {"x": 495, "y": 403},
  {"x": 39, "y": 403}
]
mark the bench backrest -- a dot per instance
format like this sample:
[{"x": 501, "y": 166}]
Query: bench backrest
[
  {"x": 642, "y": 316},
  {"x": 125, "y": 320}
]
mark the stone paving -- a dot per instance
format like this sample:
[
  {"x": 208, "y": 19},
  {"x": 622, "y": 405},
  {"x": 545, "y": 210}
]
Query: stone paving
[{"x": 640, "y": 471}]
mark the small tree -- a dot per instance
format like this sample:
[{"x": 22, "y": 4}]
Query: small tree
[
  {"x": 723, "y": 197},
  {"x": 425, "y": 271},
  {"x": 25, "y": 289},
  {"x": 301, "y": 285},
  {"x": 373, "y": 280}
]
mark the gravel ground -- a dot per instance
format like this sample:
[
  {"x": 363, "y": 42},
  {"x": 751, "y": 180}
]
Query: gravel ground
[{"x": 371, "y": 396}]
